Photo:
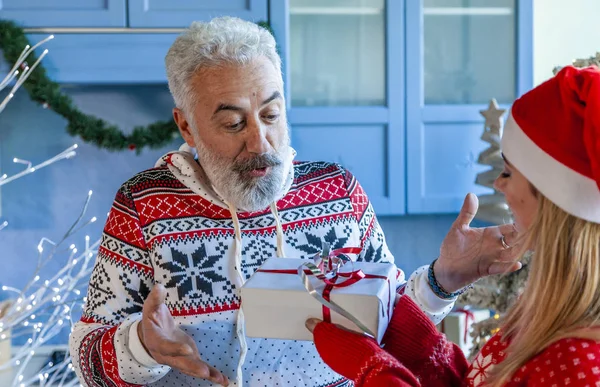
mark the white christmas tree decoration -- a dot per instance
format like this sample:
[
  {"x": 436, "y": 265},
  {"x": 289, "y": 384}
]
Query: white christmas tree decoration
[
  {"x": 492, "y": 207},
  {"x": 496, "y": 292}
]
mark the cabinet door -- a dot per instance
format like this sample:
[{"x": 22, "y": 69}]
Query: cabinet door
[
  {"x": 181, "y": 13},
  {"x": 459, "y": 56},
  {"x": 105, "y": 58},
  {"x": 65, "y": 13},
  {"x": 343, "y": 105}
]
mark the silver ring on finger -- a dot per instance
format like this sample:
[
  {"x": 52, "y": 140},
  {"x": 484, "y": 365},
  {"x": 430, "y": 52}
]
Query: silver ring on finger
[{"x": 504, "y": 244}]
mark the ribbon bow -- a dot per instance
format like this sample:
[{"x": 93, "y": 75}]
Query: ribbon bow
[
  {"x": 468, "y": 316},
  {"x": 327, "y": 269}
]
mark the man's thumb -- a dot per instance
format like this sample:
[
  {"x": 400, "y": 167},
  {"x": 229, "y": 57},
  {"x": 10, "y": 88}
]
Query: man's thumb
[
  {"x": 468, "y": 211},
  {"x": 156, "y": 297}
]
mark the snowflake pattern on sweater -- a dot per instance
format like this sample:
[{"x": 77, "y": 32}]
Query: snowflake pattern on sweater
[
  {"x": 159, "y": 230},
  {"x": 567, "y": 362}
]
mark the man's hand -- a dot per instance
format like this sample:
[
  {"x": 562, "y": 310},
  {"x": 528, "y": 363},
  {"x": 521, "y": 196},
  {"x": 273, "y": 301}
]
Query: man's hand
[
  {"x": 168, "y": 344},
  {"x": 468, "y": 254}
]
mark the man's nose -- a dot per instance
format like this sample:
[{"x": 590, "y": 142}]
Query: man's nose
[{"x": 256, "y": 140}]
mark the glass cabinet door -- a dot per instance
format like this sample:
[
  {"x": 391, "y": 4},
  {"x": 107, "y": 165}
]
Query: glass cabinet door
[
  {"x": 469, "y": 51},
  {"x": 337, "y": 52}
]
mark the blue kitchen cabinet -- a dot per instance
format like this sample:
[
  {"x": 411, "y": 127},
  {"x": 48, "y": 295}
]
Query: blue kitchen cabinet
[
  {"x": 403, "y": 116},
  {"x": 181, "y": 13},
  {"x": 132, "y": 54},
  {"x": 344, "y": 83},
  {"x": 65, "y": 13}
]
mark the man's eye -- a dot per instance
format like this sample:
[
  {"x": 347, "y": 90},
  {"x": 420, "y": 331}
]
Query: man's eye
[
  {"x": 271, "y": 117},
  {"x": 235, "y": 126}
]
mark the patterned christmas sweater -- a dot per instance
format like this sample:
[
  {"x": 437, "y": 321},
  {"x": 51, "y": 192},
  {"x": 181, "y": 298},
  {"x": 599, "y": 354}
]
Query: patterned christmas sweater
[
  {"x": 166, "y": 226},
  {"x": 416, "y": 354}
]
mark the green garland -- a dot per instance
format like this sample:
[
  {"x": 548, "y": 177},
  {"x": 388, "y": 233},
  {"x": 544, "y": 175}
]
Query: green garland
[{"x": 89, "y": 128}]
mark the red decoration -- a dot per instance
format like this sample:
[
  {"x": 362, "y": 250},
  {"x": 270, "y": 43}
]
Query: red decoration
[
  {"x": 131, "y": 146},
  {"x": 468, "y": 316}
]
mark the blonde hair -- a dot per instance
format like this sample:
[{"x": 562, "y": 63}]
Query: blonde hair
[{"x": 562, "y": 295}]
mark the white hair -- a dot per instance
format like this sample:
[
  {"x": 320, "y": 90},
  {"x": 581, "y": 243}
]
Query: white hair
[{"x": 223, "y": 40}]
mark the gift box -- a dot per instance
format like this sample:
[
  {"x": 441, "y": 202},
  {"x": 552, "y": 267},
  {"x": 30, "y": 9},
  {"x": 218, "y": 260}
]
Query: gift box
[
  {"x": 457, "y": 326},
  {"x": 276, "y": 301}
]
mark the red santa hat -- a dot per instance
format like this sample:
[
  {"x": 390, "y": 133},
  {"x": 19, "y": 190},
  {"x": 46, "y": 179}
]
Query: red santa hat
[{"x": 552, "y": 136}]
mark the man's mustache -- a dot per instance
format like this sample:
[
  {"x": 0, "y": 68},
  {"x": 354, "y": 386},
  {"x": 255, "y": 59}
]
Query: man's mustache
[{"x": 257, "y": 162}]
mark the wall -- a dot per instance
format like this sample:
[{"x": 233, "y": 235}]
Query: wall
[{"x": 563, "y": 31}]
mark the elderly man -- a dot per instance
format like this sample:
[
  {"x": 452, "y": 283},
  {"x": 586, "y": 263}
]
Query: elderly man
[{"x": 163, "y": 306}]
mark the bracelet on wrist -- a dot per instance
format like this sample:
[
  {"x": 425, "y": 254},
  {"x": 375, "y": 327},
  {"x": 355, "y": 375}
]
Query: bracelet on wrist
[{"x": 438, "y": 289}]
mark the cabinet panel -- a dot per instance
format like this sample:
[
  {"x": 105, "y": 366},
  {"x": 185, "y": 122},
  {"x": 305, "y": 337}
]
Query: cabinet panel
[
  {"x": 65, "y": 13},
  {"x": 181, "y": 13},
  {"x": 469, "y": 51},
  {"x": 366, "y": 159},
  {"x": 337, "y": 52},
  {"x": 106, "y": 58},
  {"x": 444, "y": 165}
]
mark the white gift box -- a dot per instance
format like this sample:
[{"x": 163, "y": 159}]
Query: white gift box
[
  {"x": 457, "y": 326},
  {"x": 277, "y": 304}
]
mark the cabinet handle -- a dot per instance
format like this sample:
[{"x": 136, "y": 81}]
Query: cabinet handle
[{"x": 101, "y": 30}]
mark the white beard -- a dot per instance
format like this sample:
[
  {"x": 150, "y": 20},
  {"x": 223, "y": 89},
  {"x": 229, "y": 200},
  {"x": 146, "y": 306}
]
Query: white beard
[{"x": 247, "y": 194}]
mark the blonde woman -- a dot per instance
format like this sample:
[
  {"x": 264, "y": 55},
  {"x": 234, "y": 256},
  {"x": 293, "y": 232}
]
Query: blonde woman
[{"x": 551, "y": 337}]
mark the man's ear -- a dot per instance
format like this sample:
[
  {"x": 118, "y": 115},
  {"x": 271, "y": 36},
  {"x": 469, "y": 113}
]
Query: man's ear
[{"x": 184, "y": 127}]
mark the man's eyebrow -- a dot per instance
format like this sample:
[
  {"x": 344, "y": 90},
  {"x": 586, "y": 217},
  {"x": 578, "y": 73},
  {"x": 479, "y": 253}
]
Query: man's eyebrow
[
  {"x": 274, "y": 96},
  {"x": 225, "y": 106}
]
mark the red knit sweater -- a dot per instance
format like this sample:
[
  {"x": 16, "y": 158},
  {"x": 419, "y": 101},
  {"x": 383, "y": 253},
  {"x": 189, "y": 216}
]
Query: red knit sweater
[{"x": 416, "y": 354}]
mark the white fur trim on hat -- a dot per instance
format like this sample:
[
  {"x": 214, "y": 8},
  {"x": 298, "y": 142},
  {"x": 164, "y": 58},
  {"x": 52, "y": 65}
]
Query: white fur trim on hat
[{"x": 573, "y": 192}]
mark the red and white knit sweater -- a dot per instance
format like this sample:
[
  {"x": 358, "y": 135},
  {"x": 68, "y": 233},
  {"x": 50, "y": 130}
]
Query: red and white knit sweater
[
  {"x": 166, "y": 226},
  {"x": 416, "y": 354}
]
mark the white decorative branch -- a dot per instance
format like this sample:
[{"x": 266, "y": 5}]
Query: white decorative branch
[
  {"x": 42, "y": 309},
  {"x": 66, "y": 154},
  {"x": 14, "y": 71}
]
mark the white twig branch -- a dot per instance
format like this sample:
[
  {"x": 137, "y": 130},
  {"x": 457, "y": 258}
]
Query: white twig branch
[
  {"x": 66, "y": 154},
  {"x": 14, "y": 71},
  {"x": 43, "y": 308}
]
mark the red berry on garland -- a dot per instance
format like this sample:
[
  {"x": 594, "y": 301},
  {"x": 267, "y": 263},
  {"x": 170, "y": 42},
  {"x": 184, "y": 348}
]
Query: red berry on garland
[
  {"x": 23, "y": 65},
  {"x": 131, "y": 146}
]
